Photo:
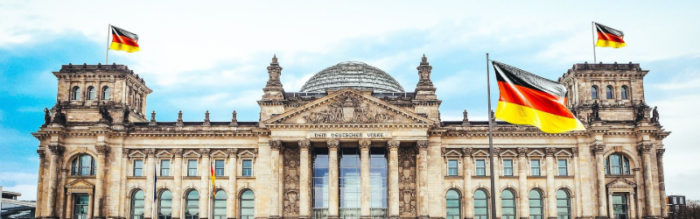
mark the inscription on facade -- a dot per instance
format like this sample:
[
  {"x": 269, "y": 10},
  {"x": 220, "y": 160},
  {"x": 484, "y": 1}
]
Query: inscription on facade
[{"x": 349, "y": 135}]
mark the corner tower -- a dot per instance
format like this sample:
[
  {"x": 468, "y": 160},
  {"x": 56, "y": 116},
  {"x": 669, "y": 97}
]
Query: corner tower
[{"x": 99, "y": 93}]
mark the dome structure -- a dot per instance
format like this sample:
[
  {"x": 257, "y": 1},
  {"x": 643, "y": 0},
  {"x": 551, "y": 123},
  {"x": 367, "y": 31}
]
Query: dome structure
[{"x": 358, "y": 75}]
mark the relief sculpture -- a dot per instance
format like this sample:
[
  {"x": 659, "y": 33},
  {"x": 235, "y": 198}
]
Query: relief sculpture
[
  {"x": 407, "y": 182},
  {"x": 349, "y": 109},
  {"x": 291, "y": 182}
]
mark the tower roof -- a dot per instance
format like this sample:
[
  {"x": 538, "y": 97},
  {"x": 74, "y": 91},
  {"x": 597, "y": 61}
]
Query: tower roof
[{"x": 352, "y": 74}]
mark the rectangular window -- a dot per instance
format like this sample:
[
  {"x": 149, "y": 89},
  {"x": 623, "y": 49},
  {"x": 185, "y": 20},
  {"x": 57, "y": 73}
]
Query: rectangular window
[
  {"x": 508, "y": 167},
  {"x": 138, "y": 167},
  {"x": 563, "y": 171},
  {"x": 164, "y": 167},
  {"x": 247, "y": 169},
  {"x": 480, "y": 167},
  {"x": 191, "y": 167},
  {"x": 219, "y": 167},
  {"x": 452, "y": 168},
  {"x": 535, "y": 167}
]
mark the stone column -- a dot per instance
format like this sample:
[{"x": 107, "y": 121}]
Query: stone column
[
  {"x": 40, "y": 182},
  {"x": 304, "y": 179},
  {"x": 149, "y": 171},
  {"x": 467, "y": 191},
  {"x": 550, "y": 195},
  {"x": 393, "y": 146},
  {"x": 645, "y": 150},
  {"x": 102, "y": 151},
  {"x": 333, "y": 178},
  {"x": 598, "y": 149},
  {"x": 177, "y": 179},
  {"x": 56, "y": 152},
  {"x": 364, "y": 178},
  {"x": 522, "y": 183},
  {"x": 422, "y": 178},
  {"x": 205, "y": 185},
  {"x": 576, "y": 200},
  {"x": 662, "y": 186},
  {"x": 232, "y": 194},
  {"x": 275, "y": 146}
]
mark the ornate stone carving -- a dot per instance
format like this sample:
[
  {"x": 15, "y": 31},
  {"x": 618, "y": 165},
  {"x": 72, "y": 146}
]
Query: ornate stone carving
[
  {"x": 550, "y": 151},
  {"x": 660, "y": 152},
  {"x": 407, "y": 182},
  {"x": 234, "y": 119},
  {"x": 522, "y": 152},
  {"x": 204, "y": 152},
  {"x": 465, "y": 118},
  {"x": 47, "y": 117},
  {"x": 102, "y": 149},
  {"x": 153, "y": 119},
  {"x": 598, "y": 148},
  {"x": 104, "y": 114},
  {"x": 392, "y": 144},
  {"x": 232, "y": 152},
  {"x": 177, "y": 152},
  {"x": 304, "y": 144},
  {"x": 150, "y": 152},
  {"x": 275, "y": 144},
  {"x": 179, "y": 119},
  {"x": 349, "y": 109},
  {"x": 56, "y": 149},
  {"x": 365, "y": 143},
  {"x": 467, "y": 152},
  {"x": 207, "y": 122},
  {"x": 333, "y": 143},
  {"x": 645, "y": 147},
  {"x": 422, "y": 144},
  {"x": 291, "y": 182}
]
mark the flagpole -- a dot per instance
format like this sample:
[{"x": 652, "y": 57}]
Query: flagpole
[
  {"x": 493, "y": 183},
  {"x": 593, "y": 37},
  {"x": 109, "y": 27}
]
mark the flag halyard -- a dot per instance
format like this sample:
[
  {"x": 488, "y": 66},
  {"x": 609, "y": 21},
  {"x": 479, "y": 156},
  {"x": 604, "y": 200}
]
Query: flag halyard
[{"x": 528, "y": 99}]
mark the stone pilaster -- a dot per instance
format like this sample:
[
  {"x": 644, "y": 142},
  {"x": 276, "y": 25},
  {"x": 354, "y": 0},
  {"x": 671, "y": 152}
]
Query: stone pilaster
[
  {"x": 304, "y": 179},
  {"x": 205, "y": 185},
  {"x": 149, "y": 169},
  {"x": 275, "y": 146},
  {"x": 177, "y": 179},
  {"x": 333, "y": 178},
  {"x": 364, "y": 178},
  {"x": 468, "y": 204},
  {"x": 393, "y": 146},
  {"x": 232, "y": 182},
  {"x": 550, "y": 195},
  {"x": 598, "y": 148},
  {"x": 649, "y": 196},
  {"x": 102, "y": 151},
  {"x": 662, "y": 186},
  {"x": 422, "y": 178},
  {"x": 56, "y": 152},
  {"x": 522, "y": 182}
]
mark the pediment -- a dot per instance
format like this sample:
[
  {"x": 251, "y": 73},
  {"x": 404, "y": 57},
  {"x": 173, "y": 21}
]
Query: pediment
[
  {"x": 136, "y": 154},
  {"x": 452, "y": 152},
  {"x": 80, "y": 184},
  {"x": 480, "y": 153},
  {"x": 508, "y": 153},
  {"x": 348, "y": 106},
  {"x": 164, "y": 154},
  {"x": 191, "y": 154},
  {"x": 621, "y": 183},
  {"x": 218, "y": 154},
  {"x": 563, "y": 153},
  {"x": 246, "y": 153},
  {"x": 535, "y": 153}
]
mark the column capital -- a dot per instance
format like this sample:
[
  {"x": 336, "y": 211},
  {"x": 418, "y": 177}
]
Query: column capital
[
  {"x": 645, "y": 147},
  {"x": 275, "y": 144},
  {"x": 422, "y": 144},
  {"x": 177, "y": 152},
  {"x": 549, "y": 152},
  {"x": 204, "y": 152},
  {"x": 333, "y": 143},
  {"x": 232, "y": 152},
  {"x": 393, "y": 144},
  {"x": 660, "y": 152},
  {"x": 41, "y": 153},
  {"x": 150, "y": 152},
  {"x": 56, "y": 149},
  {"x": 574, "y": 151},
  {"x": 102, "y": 149},
  {"x": 598, "y": 148},
  {"x": 467, "y": 152},
  {"x": 364, "y": 144},
  {"x": 304, "y": 143},
  {"x": 522, "y": 152}
]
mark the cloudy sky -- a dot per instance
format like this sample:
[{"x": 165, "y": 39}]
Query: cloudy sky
[{"x": 199, "y": 57}]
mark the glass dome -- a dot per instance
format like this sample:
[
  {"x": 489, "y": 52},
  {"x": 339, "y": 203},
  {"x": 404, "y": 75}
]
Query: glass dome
[{"x": 356, "y": 75}]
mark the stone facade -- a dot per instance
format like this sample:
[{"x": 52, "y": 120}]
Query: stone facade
[{"x": 618, "y": 156}]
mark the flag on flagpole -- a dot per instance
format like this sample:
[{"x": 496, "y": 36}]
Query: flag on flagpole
[
  {"x": 609, "y": 37},
  {"x": 528, "y": 99},
  {"x": 124, "y": 40},
  {"x": 213, "y": 179}
]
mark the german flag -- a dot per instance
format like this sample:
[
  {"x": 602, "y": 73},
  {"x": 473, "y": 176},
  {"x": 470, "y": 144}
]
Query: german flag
[
  {"x": 528, "y": 99},
  {"x": 124, "y": 40},
  {"x": 609, "y": 37}
]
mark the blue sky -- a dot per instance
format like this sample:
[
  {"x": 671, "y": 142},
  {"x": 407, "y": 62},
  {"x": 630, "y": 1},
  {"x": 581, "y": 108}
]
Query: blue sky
[{"x": 199, "y": 57}]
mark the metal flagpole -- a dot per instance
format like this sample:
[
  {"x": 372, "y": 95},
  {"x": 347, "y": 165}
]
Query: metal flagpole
[
  {"x": 109, "y": 29},
  {"x": 593, "y": 35},
  {"x": 490, "y": 115}
]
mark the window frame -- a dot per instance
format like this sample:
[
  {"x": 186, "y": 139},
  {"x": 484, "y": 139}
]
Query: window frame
[
  {"x": 75, "y": 94},
  {"x": 485, "y": 204},
  {"x": 624, "y": 167},
  {"x": 77, "y": 166},
  {"x": 91, "y": 93},
  {"x": 160, "y": 205},
  {"x": 187, "y": 204},
  {"x": 134, "y": 167},
  {"x": 105, "y": 93},
  {"x": 541, "y": 206},
  {"x": 219, "y": 170},
  {"x": 567, "y": 199},
  {"x": 565, "y": 168},
  {"x": 132, "y": 204},
  {"x": 192, "y": 171},
  {"x": 538, "y": 168},
  {"x": 594, "y": 92},
  {"x": 509, "y": 167},
  {"x": 624, "y": 92},
  {"x": 609, "y": 92},
  {"x": 250, "y": 168},
  {"x": 480, "y": 169},
  {"x": 452, "y": 170},
  {"x": 219, "y": 198},
  {"x": 241, "y": 199},
  {"x": 458, "y": 207},
  {"x": 162, "y": 167},
  {"x": 514, "y": 207}
]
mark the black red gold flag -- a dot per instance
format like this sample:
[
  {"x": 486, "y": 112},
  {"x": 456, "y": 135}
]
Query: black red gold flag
[
  {"x": 609, "y": 37},
  {"x": 124, "y": 40},
  {"x": 528, "y": 99}
]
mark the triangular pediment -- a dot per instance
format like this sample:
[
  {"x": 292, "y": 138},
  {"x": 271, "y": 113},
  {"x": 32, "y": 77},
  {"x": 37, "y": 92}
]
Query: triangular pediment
[
  {"x": 136, "y": 154},
  {"x": 164, "y": 154},
  {"x": 563, "y": 153},
  {"x": 452, "y": 152},
  {"x": 79, "y": 184},
  {"x": 349, "y": 106},
  {"x": 480, "y": 153},
  {"x": 621, "y": 183},
  {"x": 535, "y": 153},
  {"x": 508, "y": 153}
]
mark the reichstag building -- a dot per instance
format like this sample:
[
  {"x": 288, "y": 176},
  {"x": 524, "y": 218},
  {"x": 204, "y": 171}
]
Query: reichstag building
[{"x": 352, "y": 143}]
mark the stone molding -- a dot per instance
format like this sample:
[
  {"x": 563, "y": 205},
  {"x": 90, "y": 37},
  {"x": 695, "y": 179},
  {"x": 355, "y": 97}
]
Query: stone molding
[
  {"x": 333, "y": 143},
  {"x": 275, "y": 144},
  {"x": 304, "y": 143},
  {"x": 422, "y": 144},
  {"x": 364, "y": 144},
  {"x": 392, "y": 144}
]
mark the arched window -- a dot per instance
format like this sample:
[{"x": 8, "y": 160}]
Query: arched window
[
  {"x": 165, "y": 205},
  {"x": 594, "y": 92},
  {"x": 192, "y": 205},
  {"x": 453, "y": 204},
  {"x": 83, "y": 165},
  {"x": 609, "y": 92},
  {"x": 75, "y": 93},
  {"x": 617, "y": 164},
  {"x": 563, "y": 205},
  {"x": 105, "y": 93},
  {"x": 508, "y": 204},
  {"x": 220, "y": 205},
  {"x": 247, "y": 205},
  {"x": 91, "y": 93},
  {"x": 137, "y": 204},
  {"x": 536, "y": 205},
  {"x": 623, "y": 92},
  {"x": 481, "y": 205}
]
